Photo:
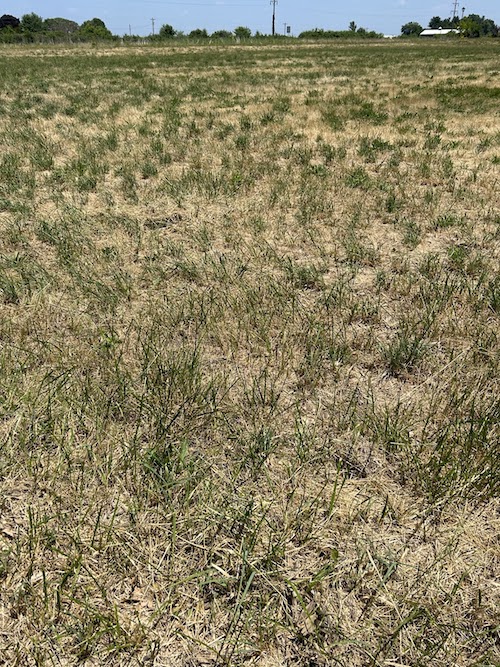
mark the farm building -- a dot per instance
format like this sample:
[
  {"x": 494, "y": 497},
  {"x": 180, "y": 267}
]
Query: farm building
[{"x": 430, "y": 32}]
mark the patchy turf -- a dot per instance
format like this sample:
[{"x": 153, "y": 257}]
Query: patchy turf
[{"x": 249, "y": 356}]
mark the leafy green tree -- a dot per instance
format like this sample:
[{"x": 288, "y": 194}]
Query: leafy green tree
[
  {"x": 167, "y": 31},
  {"x": 469, "y": 27},
  {"x": 9, "y": 21},
  {"x": 94, "y": 29},
  {"x": 484, "y": 25},
  {"x": 32, "y": 23},
  {"x": 352, "y": 26},
  {"x": 222, "y": 34},
  {"x": 437, "y": 22},
  {"x": 411, "y": 29},
  {"x": 242, "y": 33},
  {"x": 198, "y": 33},
  {"x": 64, "y": 26}
]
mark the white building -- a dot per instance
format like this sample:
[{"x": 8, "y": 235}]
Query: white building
[{"x": 430, "y": 32}]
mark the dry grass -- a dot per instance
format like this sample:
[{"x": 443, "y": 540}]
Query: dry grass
[{"x": 249, "y": 315}]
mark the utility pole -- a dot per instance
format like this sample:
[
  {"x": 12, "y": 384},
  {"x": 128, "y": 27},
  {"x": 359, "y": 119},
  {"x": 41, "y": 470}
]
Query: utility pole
[
  {"x": 284, "y": 29},
  {"x": 463, "y": 11},
  {"x": 130, "y": 29},
  {"x": 153, "y": 24},
  {"x": 455, "y": 10},
  {"x": 274, "y": 3}
]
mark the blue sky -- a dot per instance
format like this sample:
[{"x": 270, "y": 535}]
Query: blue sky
[{"x": 385, "y": 16}]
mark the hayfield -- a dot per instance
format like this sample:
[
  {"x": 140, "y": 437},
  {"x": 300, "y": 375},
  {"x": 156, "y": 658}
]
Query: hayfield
[{"x": 249, "y": 355}]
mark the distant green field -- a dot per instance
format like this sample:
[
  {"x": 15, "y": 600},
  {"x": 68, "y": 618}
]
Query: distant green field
[{"x": 249, "y": 354}]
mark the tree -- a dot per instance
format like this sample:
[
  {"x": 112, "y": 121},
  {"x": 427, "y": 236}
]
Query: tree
[
  {"x": 411, "y": 29},
  {"x": 167, "y": 31},
  {"x": 8, "y": 21},
  {"x": 470, "y": 27},
  {"x": 95, "y": 29},
  {"x": 60, "y": 25},
  {"x": 198, "y": 33},
  {"x": 352, "y": 26},
  {"x": 474, "y": 25},
  {"x": 242, "y": 33},
  {"x": 32, "y": 23},
  {"x": 222, "y": 34},
  {"x": 435, "y": 23},
  {"x": 486, "y": 26}
]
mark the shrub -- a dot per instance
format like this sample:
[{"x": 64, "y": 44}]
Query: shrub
[{"x": 242, "y": 32}]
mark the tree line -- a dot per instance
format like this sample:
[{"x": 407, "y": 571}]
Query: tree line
[
  {"x": 32, "y": 27},
  {"x": 472, "y": 25}
]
